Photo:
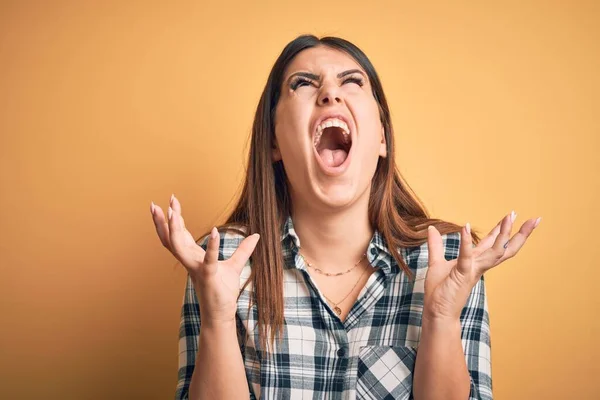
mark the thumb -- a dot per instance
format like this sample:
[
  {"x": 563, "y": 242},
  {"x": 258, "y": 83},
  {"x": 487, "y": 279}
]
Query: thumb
[
  {"x": 244, "y": 251},
  {"x": 435, "y": 246}
]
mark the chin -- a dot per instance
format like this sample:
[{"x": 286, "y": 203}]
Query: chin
[{"x": 340, "y": 195}]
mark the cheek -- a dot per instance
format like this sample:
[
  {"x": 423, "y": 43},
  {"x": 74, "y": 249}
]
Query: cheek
[
  {"x": 291, "y": 124},
  {"x": 370, "y": 125}
]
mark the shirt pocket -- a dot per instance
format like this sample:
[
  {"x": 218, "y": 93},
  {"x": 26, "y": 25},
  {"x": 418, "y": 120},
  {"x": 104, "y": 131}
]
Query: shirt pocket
[{"x": 385, "y": 372}]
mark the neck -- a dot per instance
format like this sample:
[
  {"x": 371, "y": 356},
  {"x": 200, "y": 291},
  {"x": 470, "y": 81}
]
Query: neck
[{"x": 333, "y": 241}]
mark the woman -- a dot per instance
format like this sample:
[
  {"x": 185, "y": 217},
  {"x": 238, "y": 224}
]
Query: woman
[{"x": 352, "y": 290}]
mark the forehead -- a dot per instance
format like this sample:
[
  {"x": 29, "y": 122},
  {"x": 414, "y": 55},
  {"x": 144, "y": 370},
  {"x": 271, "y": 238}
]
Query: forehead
[{"x": 321, "y": 60}]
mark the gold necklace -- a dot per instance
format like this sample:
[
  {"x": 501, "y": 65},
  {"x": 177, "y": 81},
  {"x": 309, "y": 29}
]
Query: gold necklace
[
  {"x": 320, "y": 271},
  {"x": 336, "y": 307}
]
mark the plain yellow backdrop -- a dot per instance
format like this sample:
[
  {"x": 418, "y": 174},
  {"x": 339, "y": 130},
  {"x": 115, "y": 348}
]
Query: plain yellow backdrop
[{"x": 108, "y": 105}]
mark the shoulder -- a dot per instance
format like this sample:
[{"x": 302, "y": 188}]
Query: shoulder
[
  {"x": 230, "y": 238},
  {"x": 451, "y": 243},
  {"x": 417, "y": 256}
]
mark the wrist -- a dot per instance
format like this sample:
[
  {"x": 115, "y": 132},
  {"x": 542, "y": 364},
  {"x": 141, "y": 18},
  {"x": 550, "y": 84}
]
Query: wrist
[
  {"x": 218, "y": 325},
  {"x": 440, "y": 324},
  {"x": 219, "y": 316}
]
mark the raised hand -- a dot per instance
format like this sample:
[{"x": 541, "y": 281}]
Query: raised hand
[
  {"x": 449, "y": 283},
  {"x": 216, "y": 282}
]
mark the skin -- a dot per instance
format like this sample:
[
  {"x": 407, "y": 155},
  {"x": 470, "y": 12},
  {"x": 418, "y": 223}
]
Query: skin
[
  {"x": 440, "y": 369},
  {"x": 325, "y": 209},
  {"x": 296, "y": 113},
  {"x": 219, "y": 372}
]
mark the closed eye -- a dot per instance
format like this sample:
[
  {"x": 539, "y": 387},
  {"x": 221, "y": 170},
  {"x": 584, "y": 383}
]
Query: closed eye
[
  {"x": 299, "y": 82},
  {"x": 355, "y": 79}
]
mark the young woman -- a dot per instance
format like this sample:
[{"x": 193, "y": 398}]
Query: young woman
[{"x": 352, "y": 290}]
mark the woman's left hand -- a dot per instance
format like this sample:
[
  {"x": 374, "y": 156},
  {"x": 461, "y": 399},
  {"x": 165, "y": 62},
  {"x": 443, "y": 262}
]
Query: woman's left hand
[{"x": 449, "y": 283}]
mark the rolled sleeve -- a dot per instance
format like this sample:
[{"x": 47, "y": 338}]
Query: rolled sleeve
[
  {"x": 475, "y": 330},
  {"x": 189, "y": 332}
]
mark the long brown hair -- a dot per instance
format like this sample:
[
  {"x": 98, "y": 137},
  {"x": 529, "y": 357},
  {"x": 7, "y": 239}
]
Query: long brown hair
[{"x": 265, "y": 203}]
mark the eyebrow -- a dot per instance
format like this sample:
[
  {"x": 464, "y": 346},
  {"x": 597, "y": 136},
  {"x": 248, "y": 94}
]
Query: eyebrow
[{"x": 318, "y": 77}]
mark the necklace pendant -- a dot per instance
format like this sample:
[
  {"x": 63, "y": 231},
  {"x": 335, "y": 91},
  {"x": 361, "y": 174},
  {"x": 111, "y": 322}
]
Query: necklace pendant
[{"x": 337, "y": 310}]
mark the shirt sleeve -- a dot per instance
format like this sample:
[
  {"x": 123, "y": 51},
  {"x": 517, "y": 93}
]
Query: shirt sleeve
[
  {"x": 189, "y": 333},
  {"x": 475, "y": 332}
]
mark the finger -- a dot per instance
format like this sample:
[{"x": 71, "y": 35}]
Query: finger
[
  {"x": 160, "y": 223},
  {"x": 491, "y": 257},
  {"x": 519, "y": 239},
  {"x": 488, "y": 241},
  {"x": 244, "y": 251},
  {"x": 176, "y": 237},
  {"x": 183, "y": 246},
  {"x": 435, "y": 246},
  {"x": 176, "y": 205},
  {"x": 501, "y": 241},
  {"x": 465, "y": 254},
  {"x": 211, "y": 257}
]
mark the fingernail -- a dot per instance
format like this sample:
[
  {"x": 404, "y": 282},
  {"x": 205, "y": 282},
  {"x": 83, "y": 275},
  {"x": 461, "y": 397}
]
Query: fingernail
[
  {"x": 170, "y": 212},
  {"x": 213, "y": 233},
  {"x": 537, "y": 222},
  {"x": 468, "y": 227},
  {"x": 172, "y": 197},
  {"x": 513, "y": 216},
  {"x": 152, "y": 208}
]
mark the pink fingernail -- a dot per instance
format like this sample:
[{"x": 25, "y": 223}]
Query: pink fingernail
[
  {"x": 170, "y": 212},
  {"x": 468, "y": 227},
  {"x": 513, "y": 216},
  {"x": 172, "y": 197},
  {"x": 537, "y": 222},
  {"x": 213, "y": 233},
  {"x": 152, "y": 208}
]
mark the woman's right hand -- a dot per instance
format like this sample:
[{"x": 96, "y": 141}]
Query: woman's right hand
[{"x": 217, "y": 283}]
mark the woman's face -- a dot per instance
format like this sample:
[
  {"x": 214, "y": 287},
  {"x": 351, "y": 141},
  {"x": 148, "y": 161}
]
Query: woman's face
[{"x": 328, "y": 130}]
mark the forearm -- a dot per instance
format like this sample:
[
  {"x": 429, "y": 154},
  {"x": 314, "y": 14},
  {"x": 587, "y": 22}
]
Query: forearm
[
  {"x": 219, "y": 372},
  {"x": 441, "y": 370}
]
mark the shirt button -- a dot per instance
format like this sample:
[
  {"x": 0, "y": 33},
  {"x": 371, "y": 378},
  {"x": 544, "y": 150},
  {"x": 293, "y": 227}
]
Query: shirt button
[{"x": 341, "y": 352}]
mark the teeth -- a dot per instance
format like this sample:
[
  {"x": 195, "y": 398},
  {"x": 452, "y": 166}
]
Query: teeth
[
  {"x": 318, "y": 138},
  {"x": 329, "y": 123}
]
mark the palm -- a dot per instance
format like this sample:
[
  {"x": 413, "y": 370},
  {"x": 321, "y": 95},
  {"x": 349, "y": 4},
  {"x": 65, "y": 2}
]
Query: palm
[
  {"x": 449, "y": 283},
  {"x": 216, "y": 282}
]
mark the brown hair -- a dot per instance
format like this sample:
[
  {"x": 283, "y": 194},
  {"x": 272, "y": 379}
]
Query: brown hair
[{"x": 265, "y": 203}]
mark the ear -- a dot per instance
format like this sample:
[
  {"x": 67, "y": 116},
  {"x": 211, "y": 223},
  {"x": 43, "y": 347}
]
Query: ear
[
  {"x": 275, "y": 153},
  {"x": 383, "y": 145}
]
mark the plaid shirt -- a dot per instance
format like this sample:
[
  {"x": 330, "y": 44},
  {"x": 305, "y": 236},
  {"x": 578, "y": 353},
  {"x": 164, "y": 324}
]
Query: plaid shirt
[{"x": 370, "y": 355}]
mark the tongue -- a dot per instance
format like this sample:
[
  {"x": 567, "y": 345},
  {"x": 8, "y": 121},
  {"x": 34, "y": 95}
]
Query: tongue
[{"x": 333, "y": 158}]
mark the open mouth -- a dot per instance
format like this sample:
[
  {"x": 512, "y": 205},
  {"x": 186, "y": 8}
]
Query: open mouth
[{"x": 333, "y": 142}]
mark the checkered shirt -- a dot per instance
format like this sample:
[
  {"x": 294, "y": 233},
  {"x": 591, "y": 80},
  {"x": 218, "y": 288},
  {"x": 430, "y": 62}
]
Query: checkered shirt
[{"x": 371, "y": 355}]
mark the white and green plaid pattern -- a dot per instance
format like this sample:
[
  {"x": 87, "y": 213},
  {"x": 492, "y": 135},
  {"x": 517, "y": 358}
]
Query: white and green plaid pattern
[{"x": 370, "y": 355}]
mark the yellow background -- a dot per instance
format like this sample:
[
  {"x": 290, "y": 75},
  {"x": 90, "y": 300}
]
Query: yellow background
[{"x": 107, "y": 106}]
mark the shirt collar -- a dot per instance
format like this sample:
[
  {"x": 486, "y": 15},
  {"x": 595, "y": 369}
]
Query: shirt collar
[{"x": 378, "y": 253}]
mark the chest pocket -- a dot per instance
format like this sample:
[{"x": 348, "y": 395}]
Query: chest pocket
[{"x": 385, "y": 372}]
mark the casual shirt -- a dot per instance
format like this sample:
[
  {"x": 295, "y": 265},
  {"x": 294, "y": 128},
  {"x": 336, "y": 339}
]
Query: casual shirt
[{"x": 369, "y": 355}]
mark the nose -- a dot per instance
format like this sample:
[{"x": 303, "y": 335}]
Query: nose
[{"x": 330, "y": 94}]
